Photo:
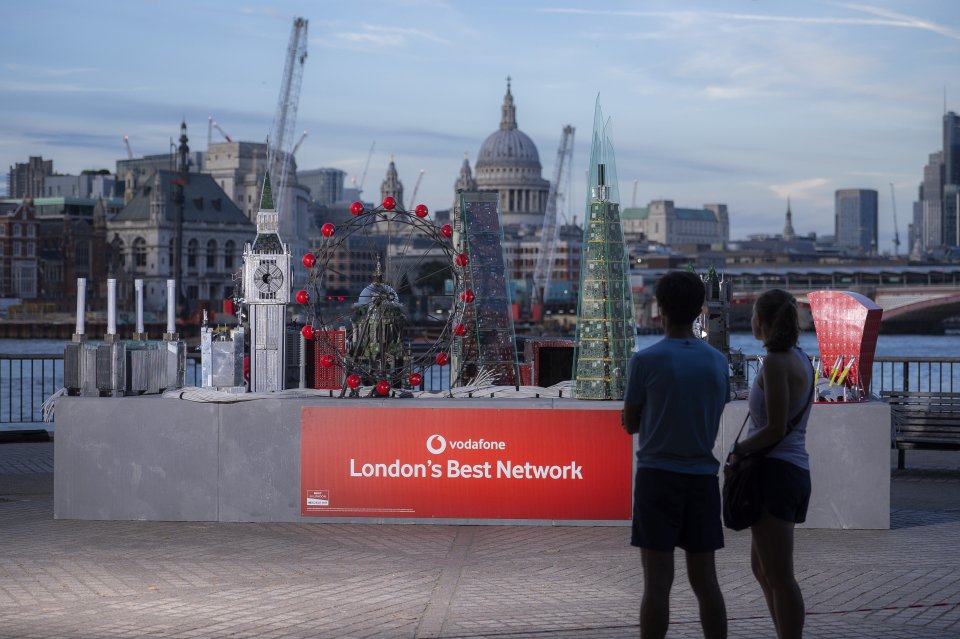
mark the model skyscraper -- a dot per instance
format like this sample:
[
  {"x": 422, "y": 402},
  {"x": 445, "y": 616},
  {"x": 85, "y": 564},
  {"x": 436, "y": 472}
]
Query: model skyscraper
[{"x": 606, "y": 334}]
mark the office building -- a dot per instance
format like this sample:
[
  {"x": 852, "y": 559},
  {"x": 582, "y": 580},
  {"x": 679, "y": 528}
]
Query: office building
[{"x": 855, "y": 220}]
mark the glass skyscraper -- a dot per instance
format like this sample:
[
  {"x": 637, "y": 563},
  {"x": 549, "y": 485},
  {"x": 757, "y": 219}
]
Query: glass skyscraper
[{"x": 855, "y": 222}]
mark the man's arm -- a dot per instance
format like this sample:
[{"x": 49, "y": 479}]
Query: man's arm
[
  {"x": 634, "y": 398},
  {"x": 630, "y": 418}
]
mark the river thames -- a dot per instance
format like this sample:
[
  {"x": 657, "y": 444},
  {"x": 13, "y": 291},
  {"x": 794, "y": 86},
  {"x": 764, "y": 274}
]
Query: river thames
[{"x": 939, "y": 347}]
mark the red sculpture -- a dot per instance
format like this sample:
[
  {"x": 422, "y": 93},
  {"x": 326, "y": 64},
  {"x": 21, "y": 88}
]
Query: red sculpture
[{"x": 847, "y": 325}]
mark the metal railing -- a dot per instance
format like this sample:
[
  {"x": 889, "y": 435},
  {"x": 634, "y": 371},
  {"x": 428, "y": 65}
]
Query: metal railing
[{"x": 26, "y": 381}]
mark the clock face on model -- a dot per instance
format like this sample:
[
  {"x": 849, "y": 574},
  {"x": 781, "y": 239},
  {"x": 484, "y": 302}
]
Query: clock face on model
[{"x": 268, "y": 277}]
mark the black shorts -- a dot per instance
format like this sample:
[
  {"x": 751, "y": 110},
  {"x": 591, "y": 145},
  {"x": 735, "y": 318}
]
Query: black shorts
[
  {"x": 786, "y": 490},
  {"x": 676, "y": 509}
]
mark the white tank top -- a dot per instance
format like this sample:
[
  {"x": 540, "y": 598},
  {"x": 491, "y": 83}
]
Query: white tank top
[{"x": 793, "y": 448}]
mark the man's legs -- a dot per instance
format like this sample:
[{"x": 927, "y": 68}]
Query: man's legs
[
  {"x": 657, "y": 581},
  {"x": 702, "y": 573}
]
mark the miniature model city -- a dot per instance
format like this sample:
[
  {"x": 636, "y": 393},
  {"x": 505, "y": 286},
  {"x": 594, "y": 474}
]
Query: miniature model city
[{"x": 370, "y": 348}]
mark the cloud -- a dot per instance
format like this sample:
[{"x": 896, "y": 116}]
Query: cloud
[
  {"x": 48, "y": 71},
  {"x": 73, "y": 139},
  {"x": 884, "y": 18},
  {"x": 811, "y": 189},
  {"x": 383, "y": 36},
  {"x": 902, "y": 20}
]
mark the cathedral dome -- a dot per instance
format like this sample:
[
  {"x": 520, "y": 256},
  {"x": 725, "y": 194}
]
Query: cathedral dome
[
  {"x": 509, "y": 146},
  {"x": 509, "y": 164},
  {"x": 378, "y": 292}
]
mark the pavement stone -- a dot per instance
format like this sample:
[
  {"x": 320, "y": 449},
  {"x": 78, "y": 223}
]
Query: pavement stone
[{"x": 96, "y": 579}]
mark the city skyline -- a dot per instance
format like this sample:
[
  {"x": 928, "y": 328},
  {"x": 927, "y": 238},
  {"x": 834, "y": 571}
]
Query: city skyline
[{"x": 744, "y": 103}]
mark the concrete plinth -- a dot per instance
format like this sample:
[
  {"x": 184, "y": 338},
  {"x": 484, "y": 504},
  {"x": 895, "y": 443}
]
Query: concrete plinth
[{"x": 161, "y": 459}]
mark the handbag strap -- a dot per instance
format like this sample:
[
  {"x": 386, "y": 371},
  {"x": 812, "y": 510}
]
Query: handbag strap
[{"x": 791, "y": 424}]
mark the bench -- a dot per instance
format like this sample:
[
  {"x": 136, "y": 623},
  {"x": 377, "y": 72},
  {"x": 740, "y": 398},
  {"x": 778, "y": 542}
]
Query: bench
[{"x": 927, "y": 421}]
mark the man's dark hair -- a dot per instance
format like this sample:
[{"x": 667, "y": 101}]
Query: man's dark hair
[{"x": 680, "y": 296}]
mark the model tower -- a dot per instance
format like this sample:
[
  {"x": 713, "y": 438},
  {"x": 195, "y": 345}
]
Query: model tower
[
  {"x": 606, "y": 334},
  {"x": 266, "y": 289}
]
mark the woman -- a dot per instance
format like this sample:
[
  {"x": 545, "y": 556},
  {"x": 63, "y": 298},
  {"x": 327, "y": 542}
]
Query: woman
[{"x": 780, "y": 401}]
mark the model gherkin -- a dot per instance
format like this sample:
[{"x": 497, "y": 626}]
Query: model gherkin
[{"x": 606, "y": 335}]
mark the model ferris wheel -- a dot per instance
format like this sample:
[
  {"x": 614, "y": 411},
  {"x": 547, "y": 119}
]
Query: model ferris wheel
[{"x": 378, "y": 339}]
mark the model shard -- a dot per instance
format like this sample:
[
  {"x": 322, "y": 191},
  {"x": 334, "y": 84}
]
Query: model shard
[
  {"x": 606, "y": 335},
  {"x": 486, "y": 340}
]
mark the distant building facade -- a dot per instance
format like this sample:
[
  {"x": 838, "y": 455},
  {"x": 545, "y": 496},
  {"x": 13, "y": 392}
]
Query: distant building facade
[
  {"x": 26, "y": 178},
  {"x": 935, "y": 226},
  {"x": 238, "y": 168},
  {"x": 19, "y": 236},
  {"x": 87, "y": 186},
  {"x": 325, "y": 185},
  {"x": 855, "y": 220},
  {"x": 664, "y": 223},
  {"x": 214, "y": 233}
]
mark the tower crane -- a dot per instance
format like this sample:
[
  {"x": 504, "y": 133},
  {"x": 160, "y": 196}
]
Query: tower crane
[
  {"x": 222, "y": 132},
  {"x": 550, "y": 234},
  {"x": 296, "y": 147},
  {"x": 279, "y": 149},
  {"x": 896, "y": 232},
  {"x": 363, "y": 176},
  {"x": 416, "y": 187},
  {"x": 126, "y": 142}
]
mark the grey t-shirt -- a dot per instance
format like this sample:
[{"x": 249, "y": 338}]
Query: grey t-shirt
[{"x": 682, "y": 386}]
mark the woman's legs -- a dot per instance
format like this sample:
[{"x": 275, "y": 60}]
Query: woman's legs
[
  {"x": 761, "y": 578},
  {"x": 772, "y": 553}
]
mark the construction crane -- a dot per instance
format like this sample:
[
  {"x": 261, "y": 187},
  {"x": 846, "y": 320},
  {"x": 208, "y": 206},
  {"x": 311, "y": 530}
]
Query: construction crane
[
  {"x": 416, "y": 187},
  {"x": 296, "y": 147},
  {"x": 222, "y": 132},
  {"x": 209, "y": 130},
  {"x": 550, "y": 234},
  {"x": 896, "y": 232},
  {"x": 126, "y": 142},
  {"x": 366, "y": 166},
  {"x": 280, "y": 146}
]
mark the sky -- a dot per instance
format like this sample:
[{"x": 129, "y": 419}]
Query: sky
[{"x": 743, "y": 102}]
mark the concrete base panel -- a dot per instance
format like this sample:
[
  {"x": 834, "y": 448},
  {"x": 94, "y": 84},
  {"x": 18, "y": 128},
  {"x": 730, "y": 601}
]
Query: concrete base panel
[{"x": 169, "y": 460}]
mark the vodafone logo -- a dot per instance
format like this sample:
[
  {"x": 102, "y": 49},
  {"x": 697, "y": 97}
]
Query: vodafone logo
[{"x": 436, "y": 444}]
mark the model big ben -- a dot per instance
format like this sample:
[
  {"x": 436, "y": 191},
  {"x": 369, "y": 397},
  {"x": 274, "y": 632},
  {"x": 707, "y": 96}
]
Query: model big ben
[{"x": 266, "y": 290}]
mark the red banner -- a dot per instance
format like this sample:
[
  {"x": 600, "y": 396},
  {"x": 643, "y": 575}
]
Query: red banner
[{"x": 464, "y": 463}]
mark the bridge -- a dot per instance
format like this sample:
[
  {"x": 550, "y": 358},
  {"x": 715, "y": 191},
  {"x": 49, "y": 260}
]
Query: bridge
[{"x": 915, "y": 299}]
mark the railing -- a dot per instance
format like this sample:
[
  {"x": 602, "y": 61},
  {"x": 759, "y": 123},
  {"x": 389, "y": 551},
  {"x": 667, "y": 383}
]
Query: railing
[{"x": 27, "y": 380}]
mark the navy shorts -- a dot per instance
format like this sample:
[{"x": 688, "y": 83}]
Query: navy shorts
[
  {"x": 786, "y": 490},
  {"x": 676, "y": 510}
]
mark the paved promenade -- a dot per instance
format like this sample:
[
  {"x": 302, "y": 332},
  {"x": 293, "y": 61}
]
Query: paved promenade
[{"x": 156, "y": 579}]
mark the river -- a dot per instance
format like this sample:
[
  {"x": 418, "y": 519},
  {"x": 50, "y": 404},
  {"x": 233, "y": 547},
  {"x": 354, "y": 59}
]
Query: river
[{"x": 907, "y": 346}]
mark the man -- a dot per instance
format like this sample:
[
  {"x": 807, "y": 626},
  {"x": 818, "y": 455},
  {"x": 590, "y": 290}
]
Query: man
[{"x": 676, "y": 392}]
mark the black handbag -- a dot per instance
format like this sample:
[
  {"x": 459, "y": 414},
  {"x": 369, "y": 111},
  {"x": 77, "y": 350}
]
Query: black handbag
[
  {"x": 742, "y": 489},
  {"x": 742, "y": 483}
]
